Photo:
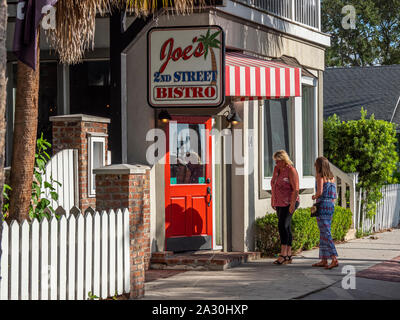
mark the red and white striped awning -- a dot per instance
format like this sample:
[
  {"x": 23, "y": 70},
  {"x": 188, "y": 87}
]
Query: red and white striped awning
[{"x": 251, "y": 78}]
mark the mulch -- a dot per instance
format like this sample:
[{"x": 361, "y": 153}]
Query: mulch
[{"x": 386, "y": 271}]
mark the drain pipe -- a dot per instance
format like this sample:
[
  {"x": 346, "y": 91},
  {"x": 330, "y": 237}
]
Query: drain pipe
[{"x": 395, "y": 109}]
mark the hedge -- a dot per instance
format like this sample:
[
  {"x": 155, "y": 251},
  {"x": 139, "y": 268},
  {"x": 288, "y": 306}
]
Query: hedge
[{"x": 304, "y": 227}]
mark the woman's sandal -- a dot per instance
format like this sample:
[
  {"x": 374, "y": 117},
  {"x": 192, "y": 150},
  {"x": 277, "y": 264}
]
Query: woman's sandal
[
  {"x": 280, "y": 262},
  {"x": 332, "y": 265},
  {"x": 320, "y": 264},
  {"x": 288, "y": 259}
]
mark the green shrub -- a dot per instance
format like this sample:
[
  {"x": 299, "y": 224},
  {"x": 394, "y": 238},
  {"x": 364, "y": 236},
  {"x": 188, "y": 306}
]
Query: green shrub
[
  {"x": 304, "y": 229},
  {"x": 366, "y": 146},
  {"x": 341, "y": 223}
]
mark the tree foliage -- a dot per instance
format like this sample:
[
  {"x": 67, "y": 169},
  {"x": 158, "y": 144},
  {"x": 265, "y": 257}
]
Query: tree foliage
[
  {"x": 366, "y": 146},
  {"x": 375, "y": 39}
]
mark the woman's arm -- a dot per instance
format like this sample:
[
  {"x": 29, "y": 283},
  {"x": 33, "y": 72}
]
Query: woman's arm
[
  {"x": 294, "y": 182},
  {"x": 274, "y": 177},
  {"x": 320, "y": 183}
]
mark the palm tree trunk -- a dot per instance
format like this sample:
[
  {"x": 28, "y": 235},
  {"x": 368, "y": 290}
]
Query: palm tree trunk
[
  {"x": 213, "y": 64},
  {"x": 3, "y": 84},
  {"x": 24, "y": 140}
]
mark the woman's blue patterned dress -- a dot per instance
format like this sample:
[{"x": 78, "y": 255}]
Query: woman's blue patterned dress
[{"x": 324, "y": 220}]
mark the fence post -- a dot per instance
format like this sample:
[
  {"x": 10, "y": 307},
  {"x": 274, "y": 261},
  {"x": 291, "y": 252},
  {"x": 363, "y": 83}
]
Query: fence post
[{"x": 128, "y": 186}]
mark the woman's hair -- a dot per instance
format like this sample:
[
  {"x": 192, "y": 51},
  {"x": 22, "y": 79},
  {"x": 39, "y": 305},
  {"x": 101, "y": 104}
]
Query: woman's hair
[
  {"x": 322, "y": 168},
  {"x": 282, "y": 155}
]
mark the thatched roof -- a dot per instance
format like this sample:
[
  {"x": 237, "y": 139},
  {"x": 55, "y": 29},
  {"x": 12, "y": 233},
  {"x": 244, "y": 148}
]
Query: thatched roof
[{"x": 75, "y": 24}]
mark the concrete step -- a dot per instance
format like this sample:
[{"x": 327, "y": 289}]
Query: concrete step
[{"x": 200, "y": 260}]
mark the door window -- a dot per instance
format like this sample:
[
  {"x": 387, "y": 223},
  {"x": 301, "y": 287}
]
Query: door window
[{"x": 187, "y": 153}]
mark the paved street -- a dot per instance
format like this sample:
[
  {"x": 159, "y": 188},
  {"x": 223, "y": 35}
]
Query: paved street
[{"x": 262, "y": 280}]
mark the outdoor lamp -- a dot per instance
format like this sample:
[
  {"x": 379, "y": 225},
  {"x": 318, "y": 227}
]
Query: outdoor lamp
[
  {"x": 164, "y": 116},
  {"x": 233, "y": 117}
]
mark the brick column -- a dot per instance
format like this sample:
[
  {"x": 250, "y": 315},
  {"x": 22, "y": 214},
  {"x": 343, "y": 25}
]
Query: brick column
[
  {"x": 72, "y": 132},
  {"x": 128, "y": 186}
]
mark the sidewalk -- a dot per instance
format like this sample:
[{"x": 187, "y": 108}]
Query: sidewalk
[{"x": 262, "y": 280}]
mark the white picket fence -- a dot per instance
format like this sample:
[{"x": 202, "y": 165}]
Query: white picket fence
[
  {"x": 387, "y": 213},
  {"x": 66, "y": 258},
  {"x": 63, "y": 167}
]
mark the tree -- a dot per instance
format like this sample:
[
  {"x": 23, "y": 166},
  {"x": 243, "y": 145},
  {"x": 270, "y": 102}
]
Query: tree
[
  {"x": 24, "y": 140},
  {"x": 209, "y": 42},
  {"x": 366, "y": 146},
  {"x": 73, "y": 34},
  {"x": 3, "y": 91},
  {"x": 375, "y": 39}
]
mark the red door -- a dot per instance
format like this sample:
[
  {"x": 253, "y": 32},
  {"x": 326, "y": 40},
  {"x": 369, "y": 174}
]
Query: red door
[{"x": 188, "y": 186}]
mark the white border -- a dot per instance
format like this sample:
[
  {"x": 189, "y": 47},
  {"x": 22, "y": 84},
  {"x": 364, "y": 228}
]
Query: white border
[
  {"x": 213, "y": 144},
  {"x": 92, "y": 139}
]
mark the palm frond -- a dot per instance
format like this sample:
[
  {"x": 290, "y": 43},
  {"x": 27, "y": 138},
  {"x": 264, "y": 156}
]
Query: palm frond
[
  {"x": 213, "y": 36},
  {"x": 76, "y": 22}
]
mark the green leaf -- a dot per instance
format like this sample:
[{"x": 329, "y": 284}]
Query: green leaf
[
  {"x": 206, "y": 53},
  {"x": 40, "y": 163},
  {"x": 215, "y": 35},
  {"x": 47, "y": 185},
  {"x": 43, "y": 204},
  {"x": 38, "y": 177},
  {"x": 54, "y": 195}
]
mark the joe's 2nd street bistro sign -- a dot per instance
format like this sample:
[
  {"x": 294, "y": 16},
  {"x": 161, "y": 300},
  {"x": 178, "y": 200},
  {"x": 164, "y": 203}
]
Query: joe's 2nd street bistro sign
[{"x": 186, "y": 67}]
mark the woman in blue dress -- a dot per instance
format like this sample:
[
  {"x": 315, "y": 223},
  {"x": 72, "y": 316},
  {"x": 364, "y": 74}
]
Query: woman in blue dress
[{"x": 325, "y": 196}]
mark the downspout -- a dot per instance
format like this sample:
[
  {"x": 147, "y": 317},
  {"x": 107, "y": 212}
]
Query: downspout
[{"x": 395, "y": 109}]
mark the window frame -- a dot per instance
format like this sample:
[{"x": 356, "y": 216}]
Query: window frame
[
  {"x": 296, "y": 108},
  {"x": 309, "y": 181},
  {"x": 91, "y": 140}
]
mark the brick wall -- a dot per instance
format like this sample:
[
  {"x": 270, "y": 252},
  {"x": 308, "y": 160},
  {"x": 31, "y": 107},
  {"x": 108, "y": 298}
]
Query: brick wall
[
  {"x": 72, "y": 132},
  {"x": 128, "y": 186}
]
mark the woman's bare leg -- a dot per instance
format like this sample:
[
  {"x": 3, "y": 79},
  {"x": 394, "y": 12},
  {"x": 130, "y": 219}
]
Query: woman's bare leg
[{"x": 283, "y": 253}]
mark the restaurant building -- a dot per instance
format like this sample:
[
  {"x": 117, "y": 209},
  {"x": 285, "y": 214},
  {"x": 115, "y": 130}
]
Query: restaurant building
[{"x": 205, "y": 101}]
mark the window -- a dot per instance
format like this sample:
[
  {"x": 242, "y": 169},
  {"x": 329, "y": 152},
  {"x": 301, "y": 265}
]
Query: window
[
  {"x": 90, "y": 88},
  {"x": 187, "y": 153},
  {"x": 309, "y": 130},
  {"x": 96, "y": 160},
  {"x": 277, "y": 135},
  {"x": 291, "y": 125}
]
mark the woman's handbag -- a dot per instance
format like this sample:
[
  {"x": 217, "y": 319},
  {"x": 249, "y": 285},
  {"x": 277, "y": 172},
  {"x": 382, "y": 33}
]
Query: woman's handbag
[{"x": 314, "y": 209}]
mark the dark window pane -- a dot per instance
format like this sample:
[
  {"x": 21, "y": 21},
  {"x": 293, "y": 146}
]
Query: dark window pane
[
  {"x": 47, "y": 98},
  {"x": 187, "y": 143},
  {"x": 309, "y": 153},
  {"x": 277, "y": 131},
  {"x": 90, "y": 88}
]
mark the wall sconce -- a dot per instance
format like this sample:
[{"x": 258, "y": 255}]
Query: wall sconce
[
  {"x": 164, "y": 116},
  {"x": 233, "y": 117}
]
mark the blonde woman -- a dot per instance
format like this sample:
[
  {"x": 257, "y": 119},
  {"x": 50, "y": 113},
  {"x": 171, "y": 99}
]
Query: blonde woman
[{"x": 285, "y": 200}]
